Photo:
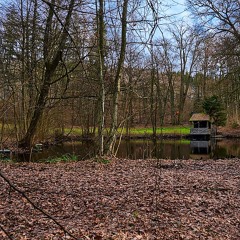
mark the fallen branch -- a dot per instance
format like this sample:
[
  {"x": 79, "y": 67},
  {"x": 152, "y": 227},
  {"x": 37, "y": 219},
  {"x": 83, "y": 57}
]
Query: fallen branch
[
  {"x": 6, "y": 233},
  {"x": 35, "y": 206}
]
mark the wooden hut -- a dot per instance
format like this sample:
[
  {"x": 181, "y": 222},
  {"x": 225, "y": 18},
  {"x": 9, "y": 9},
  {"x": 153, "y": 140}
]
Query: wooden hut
[{"x": 202, "y": 125}]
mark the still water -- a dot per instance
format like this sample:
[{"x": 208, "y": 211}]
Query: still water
[{"x": 142, "y": 149}]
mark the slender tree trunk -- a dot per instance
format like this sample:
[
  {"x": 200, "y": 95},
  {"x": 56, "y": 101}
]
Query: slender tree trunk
[
  {"x": 117, "y": 81},
  {"x": 130, "y": 105},
  {"x": 172, "y": 99},
  {"x": 32, "y": 70},
  {"x": 153, "y": 103},
  {"x": 101, "y": 125}
]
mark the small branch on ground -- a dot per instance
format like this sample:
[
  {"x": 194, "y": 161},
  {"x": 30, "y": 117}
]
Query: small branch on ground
[
  {"x": 35, "y": 206},
  {"x": 6, "y": 233}
]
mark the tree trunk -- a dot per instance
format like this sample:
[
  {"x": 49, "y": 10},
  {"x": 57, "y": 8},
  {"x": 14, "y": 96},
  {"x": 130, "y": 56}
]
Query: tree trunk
[
  {"x": 153, "y": 106},
  {"x": 117, "y": 81},
  {"x": 51, "y": 64},
  {"x": 100, "y": 32}
]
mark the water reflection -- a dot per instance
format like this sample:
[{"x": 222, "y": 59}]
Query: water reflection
[
  {"x": 167, "y": 149},
  {"x": 201, "y": 149},
  {"x": 142, "y": 149},
  {"x": 181, "y": 149}
]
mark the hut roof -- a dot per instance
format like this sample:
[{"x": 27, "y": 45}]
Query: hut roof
[{"x": 200, "y": 117}]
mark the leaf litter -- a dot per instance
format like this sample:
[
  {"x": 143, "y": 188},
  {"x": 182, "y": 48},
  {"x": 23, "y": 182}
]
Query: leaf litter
[{"x": 123, "y": 199}]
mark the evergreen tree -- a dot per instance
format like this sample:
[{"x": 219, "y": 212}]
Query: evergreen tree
[{"x": 213, "y": 106}]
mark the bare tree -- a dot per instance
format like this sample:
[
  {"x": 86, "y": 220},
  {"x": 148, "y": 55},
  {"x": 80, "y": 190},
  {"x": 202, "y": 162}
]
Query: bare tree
[
  {"x": 117, "y": 80},
  {"x": 186, "y": 46},
  {"x": 219, "y": 16},
  {"x": 53, "y": 55}
]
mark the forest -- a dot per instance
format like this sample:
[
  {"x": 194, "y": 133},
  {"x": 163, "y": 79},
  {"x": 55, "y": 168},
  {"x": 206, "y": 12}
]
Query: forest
[
  {"x": 105, "y": 65},
  {"x": 97, "y": 70}
]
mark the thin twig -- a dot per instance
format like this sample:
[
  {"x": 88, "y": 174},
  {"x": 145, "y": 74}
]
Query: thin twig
[
  {"x": 6, "y": 233},
  {"x": 35, "y": 206}
]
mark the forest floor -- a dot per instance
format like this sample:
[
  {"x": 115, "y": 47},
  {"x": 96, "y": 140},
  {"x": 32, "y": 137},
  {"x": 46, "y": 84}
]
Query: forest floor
[{"x": 121, "y": 199}]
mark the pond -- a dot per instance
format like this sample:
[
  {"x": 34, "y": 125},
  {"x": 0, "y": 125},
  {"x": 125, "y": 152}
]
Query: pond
[{"x": 142, "y": 149}]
